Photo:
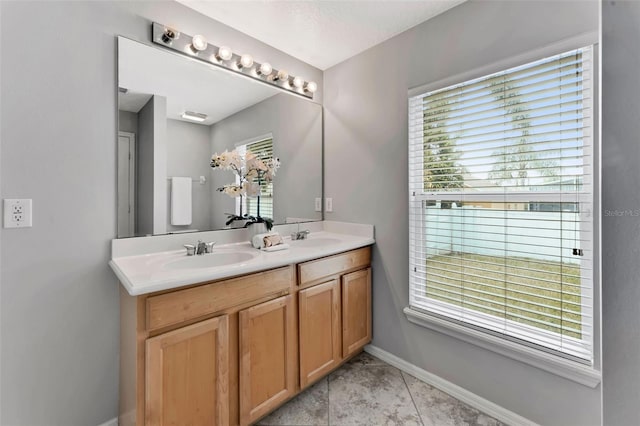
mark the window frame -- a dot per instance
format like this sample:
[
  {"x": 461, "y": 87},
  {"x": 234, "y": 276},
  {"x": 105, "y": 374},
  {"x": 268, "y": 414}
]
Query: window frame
[{"x": 576, "y": 370}]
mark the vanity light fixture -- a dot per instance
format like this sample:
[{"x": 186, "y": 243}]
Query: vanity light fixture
[
  {"x": 224, "y": 53},
  {"x": 311, "y": 87},
  {"x": 246, "y": 61},
  {"x": 197, "y": 48},
  {"x": 298, "y": 82},
  {"x": 198, "y": 44},
  {"x": 265, "y": 69},
  {"x": 194, "y": 116}
]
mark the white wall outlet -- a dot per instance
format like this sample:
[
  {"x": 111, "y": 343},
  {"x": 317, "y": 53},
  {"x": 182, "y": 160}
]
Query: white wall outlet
[
  {"x": 17, "y": 213},
  {"x": 318, "y": 204},
  {"x": 328, "y": 204}
]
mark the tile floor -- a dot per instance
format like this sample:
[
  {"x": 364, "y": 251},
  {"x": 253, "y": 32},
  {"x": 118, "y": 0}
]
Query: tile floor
[{"x": 367, "y": 391}]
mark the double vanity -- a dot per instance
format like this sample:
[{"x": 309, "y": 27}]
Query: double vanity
[{"x": 227, "y": 337}]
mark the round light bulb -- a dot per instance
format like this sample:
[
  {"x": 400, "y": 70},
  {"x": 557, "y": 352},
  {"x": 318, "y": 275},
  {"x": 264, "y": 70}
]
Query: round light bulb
[
  {"x": 265, "y": 69},
  {"x": 224, "y": 53},
  {"x": 198, "y": 43},
  {"x": 282, "y": 75},
  {"x": 246, "y": 61},
  {"x": 169, "y": 35},
  {"x": 311, "y": 87},
  {"x": 298, "y": 82}
]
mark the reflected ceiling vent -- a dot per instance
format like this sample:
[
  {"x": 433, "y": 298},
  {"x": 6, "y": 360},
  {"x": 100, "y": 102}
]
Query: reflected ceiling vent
[{"x": 194, "y": 116}]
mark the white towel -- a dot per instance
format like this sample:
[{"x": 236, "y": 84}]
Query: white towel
[{"x": 181, "y": 201}]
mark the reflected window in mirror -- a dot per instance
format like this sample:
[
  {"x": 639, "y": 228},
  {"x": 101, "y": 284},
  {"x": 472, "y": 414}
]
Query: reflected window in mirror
[{"x": 262, "y": 147}]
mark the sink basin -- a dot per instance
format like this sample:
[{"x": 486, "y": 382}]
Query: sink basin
[
  {"x": 211, "y": 260},
  {"x": 314, "y": 242}
]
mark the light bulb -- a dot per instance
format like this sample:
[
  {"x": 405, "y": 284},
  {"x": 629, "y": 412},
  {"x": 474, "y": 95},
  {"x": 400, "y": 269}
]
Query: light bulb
[
  {"x": 298, "y": 82},
  {"x": 311, "y": 87},
  {"x": 246, "y": 61},
  {"x": 282, "y": 75},
  {"x": 224, "y": 53},
  {"x": 169, "y": 35},
  {"x": 198, "y": 43},
  {"x": 265, "y": 69}
]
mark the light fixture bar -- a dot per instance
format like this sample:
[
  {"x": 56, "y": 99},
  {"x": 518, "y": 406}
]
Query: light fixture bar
[{"x": 196, "y": 47}]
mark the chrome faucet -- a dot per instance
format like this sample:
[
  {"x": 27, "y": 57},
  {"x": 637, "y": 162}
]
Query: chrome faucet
[
  {"x": 200, "y": 248},
  {"x": 300, "y": 235}
]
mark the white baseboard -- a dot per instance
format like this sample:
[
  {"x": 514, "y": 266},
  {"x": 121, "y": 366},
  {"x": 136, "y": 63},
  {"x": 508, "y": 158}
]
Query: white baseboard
[
  {"x": 112, "y": 422},
  {"x": 469, "y": 398}
]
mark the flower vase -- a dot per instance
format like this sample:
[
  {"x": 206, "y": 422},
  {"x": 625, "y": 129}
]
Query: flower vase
[{"x": 256, "y": 228}]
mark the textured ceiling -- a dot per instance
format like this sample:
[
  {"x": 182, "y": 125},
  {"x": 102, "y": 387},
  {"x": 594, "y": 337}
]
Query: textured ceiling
[{"x": 321, "y": 33}]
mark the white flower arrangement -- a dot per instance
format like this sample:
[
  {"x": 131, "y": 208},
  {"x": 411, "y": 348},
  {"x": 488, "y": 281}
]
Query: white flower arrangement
[{"x": 251, "y": 171}]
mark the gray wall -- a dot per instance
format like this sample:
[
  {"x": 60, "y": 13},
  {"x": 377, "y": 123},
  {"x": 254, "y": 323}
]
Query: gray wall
[
  {"x": 296, "y": 125},
  {"x": 145, "y": 168},
  {"x": 128, "y": 121},
  {"x": 59, "y": 300},
  {"x": 159, "y": 163},
  {"x": 188, "y": 154},
  {"x": 366, "y": 130},
  {"x": 621, "y": 234},
  {"x": 151, "y": 168}
]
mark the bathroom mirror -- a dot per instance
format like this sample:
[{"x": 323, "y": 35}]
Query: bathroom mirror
[{"x": 158, "y": 140}]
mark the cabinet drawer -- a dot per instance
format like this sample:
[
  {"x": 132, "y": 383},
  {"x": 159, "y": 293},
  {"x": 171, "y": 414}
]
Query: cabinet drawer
[
  {"x": 316, "y": 270},
  {"x": 183, "y": 305}
]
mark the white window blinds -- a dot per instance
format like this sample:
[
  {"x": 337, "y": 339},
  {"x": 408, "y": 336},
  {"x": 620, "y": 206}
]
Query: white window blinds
[
  {"x": 501, "y": 201},
  {"x": 263, "y": 149}
]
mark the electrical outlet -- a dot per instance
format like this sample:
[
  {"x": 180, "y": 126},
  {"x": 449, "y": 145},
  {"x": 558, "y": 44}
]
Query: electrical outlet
[
  {"x": 17, "y": 213},
  {"x": 328, "y": 204},
  {"x": 318, "y": 204}
]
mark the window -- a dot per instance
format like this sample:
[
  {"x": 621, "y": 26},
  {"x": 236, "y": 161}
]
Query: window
[
  {"x": 263, "y": 149},
  {"x": 501, "y": 202}
]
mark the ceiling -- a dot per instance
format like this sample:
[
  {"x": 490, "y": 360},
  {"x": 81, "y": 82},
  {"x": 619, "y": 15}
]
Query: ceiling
[{"x": 321, "y": 33}]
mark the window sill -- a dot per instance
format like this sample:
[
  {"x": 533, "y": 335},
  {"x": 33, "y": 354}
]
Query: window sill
[{"x": 576, "y": 372}]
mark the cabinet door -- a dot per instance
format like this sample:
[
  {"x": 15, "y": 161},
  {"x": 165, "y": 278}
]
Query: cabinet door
[
  {"x": 319, "y": 335},
  {"x": 267, "y": 357},
  {"x": 187, "y": 375},
  {"x": 356, "y": 311}
]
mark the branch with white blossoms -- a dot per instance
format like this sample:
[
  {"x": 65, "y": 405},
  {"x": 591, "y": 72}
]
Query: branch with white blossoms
[
  {"x": 251, "y": 172},
  {"x": 249, "y": 169}
]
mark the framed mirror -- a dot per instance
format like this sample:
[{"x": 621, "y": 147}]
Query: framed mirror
[{"x": 174, "y": 113}]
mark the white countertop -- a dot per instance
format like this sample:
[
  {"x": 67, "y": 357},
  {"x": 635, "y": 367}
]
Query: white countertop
[{"x": 150, "y": 272}]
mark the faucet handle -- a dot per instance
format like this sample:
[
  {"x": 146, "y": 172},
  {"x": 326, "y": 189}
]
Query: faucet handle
[
  {"x": 209, "y": 246},
  {"x": 201, "y": 248},
  {"x": 191, "y": 249}
]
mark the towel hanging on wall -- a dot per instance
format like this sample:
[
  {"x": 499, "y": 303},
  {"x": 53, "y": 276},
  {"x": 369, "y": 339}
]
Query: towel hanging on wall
[{"x": 181, "y": 200}]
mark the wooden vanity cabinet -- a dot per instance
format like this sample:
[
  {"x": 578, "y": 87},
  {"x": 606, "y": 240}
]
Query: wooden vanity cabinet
[
  {"x": 319, "y": 315},
  {"x": 187, "y": 375},
  {"x": 356, "y": 311},
  {"x": 179, "y": 349},
  {"x": 334, "y": 311},
  {"x": 230, "y": 351},
  {"x": 267, "y": 357}
]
